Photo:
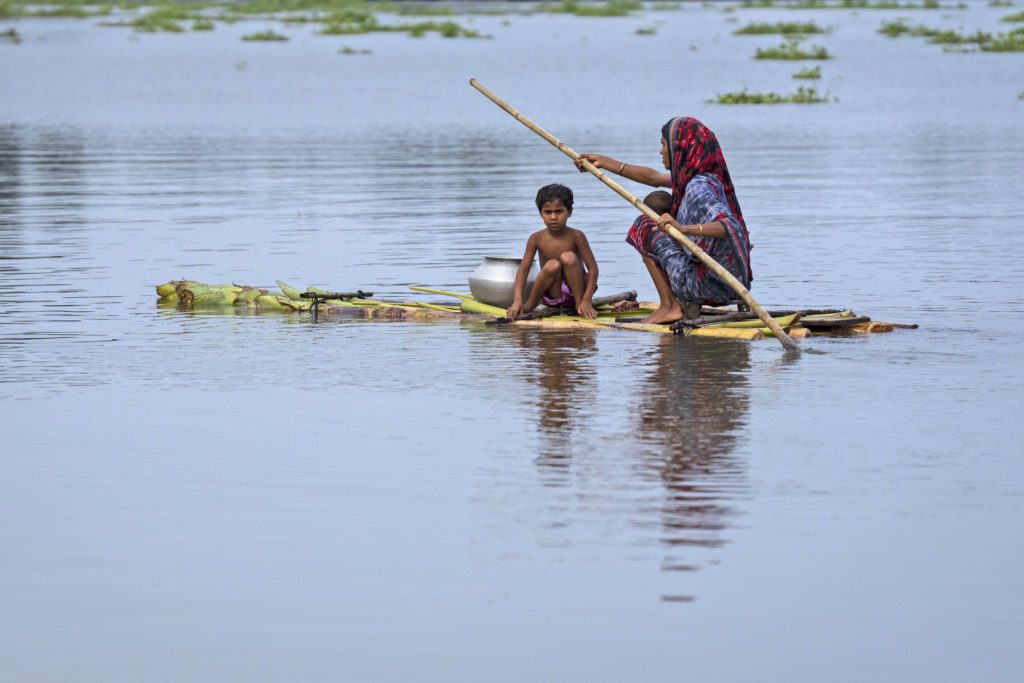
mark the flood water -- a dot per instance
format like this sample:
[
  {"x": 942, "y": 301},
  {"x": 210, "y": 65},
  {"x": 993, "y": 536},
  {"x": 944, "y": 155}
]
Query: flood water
[{"x": 197, "y": 496}]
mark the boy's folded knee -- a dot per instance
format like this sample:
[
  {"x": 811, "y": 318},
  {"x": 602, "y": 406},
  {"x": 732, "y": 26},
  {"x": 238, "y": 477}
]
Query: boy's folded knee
[{"x": 552, "y": 266}]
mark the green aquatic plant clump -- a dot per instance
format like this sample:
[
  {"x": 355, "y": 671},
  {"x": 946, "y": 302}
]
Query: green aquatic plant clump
[
  {"x": 447, "y": 29},
  {"x": 810, "y": 73},
  {"x": 66, "y": 9},
  {"x": 348, "y": 50},
  {"x": 895, "y": 28},
  {"x": 791, "y": 49},
  {"x": 424, "y": 10},
  {"x": 1006, "y": 42},
  {"x": 957, "y": 38},
  {"x": 292, "y": 6},
  {"x": 611, "y": 8},
  {"x": 848, "y": 4},
  {"x": 350, "y": 20},
  {"x": 356, "y": 19},
  {"x": 269, "y": 35},
  {"x": 203, "y": 24},
  {"x": 162, "y": 18},
  {"x": 1012, "y": 41},
  {"x": 1013, "y": 18},
  {"x": 645, "y": 30},
  {"x": 785, "y": 28},
  {"x": 11, "y": 35},
  {"x": 802, "y": 95}
]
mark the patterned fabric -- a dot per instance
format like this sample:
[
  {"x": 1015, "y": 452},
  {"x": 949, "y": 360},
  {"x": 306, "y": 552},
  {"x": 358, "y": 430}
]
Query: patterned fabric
[
  {"x": 693, "y": 150},
  {"x": 565, "y": 298},
  {"x": 705, "y": 202}
]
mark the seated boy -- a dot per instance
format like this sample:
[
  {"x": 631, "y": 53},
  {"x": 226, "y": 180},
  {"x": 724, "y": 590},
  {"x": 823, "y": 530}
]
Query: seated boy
[{"x": 568, "y": 270}]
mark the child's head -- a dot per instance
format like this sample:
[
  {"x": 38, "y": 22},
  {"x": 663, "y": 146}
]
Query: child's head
[
  {"x": 554, "y": 192},
  {"x": 659, "y": 202}
]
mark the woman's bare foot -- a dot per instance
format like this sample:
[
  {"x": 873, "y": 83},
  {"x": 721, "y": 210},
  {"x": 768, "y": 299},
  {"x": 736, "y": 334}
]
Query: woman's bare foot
[{"x": 665, "y": 314}]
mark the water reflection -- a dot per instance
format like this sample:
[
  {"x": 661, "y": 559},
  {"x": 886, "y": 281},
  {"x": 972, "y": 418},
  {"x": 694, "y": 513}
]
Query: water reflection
[
  {"x": 10, "y": 183},
  {"x": 688, "y": 421},
  {"x": 564, "y": 385}
]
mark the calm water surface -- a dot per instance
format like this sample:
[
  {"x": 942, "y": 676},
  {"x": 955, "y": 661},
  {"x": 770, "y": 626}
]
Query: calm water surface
[{"x": 194, "y": 496}]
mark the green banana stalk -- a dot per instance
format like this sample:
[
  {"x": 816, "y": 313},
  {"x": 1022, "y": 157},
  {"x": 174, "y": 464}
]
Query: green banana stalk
[
  {"x": 269, "y": 302},
  {"x": 471, "y": 306},
  {"x": 442, "y": 292},
  {"x": 289, "y": 291},
  {"x": 248, "y": 296},
  {"x": 214, "y": 298}
]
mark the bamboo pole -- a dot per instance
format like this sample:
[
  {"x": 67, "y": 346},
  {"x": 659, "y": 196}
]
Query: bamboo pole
[{"x": 716, "y": 267}]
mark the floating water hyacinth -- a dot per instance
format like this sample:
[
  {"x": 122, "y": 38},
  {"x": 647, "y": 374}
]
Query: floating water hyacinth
[
  {"x": 850, "y": 4},
  {"x": 801, "y": 96},
  {"x": 269, "y": 35},
  {"x": 786, "y": 28},
  {"x": 791, "y": 50},
  {"x": 810, "y": 73},
  {"x": 1012, "y": 41}
]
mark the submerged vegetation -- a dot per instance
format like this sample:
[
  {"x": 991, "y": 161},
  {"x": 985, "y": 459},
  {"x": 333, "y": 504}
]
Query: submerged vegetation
[
  {"x": 791, "y": 49},
  {"x": 786, "y": 28},
  {"x": 810, "y": 73},
  {"x": 802, "y": 96},
  {"x": 1012, "y": 41},
  {"x": 348, "y": 50},
  {"x": 1014, "y": 18}
]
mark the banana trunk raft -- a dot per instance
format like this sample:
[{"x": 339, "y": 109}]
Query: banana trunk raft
[{"x": 617, "y": 312}]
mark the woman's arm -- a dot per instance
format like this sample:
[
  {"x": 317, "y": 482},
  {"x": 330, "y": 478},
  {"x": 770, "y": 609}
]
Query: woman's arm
[
  {"x": 715, "y": 229},
  {"x": 640, "y": 174}
]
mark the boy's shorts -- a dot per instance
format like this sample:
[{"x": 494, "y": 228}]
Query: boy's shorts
[{"x": 565, "y": 299}]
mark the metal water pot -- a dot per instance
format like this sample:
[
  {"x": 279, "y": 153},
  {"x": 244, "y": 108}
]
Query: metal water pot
[{"x": 494, "y": 280}]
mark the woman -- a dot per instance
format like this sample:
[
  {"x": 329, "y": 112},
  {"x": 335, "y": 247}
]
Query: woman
[{"x": 704, "y": 207}]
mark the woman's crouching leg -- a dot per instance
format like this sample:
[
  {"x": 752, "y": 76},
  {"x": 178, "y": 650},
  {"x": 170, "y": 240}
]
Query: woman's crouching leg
[{"x": 678, "y": 266}]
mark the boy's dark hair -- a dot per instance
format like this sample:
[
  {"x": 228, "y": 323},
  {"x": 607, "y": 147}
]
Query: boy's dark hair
[
  {"x": 554, "y": 191},
  {"x": 659, "y": 201}
]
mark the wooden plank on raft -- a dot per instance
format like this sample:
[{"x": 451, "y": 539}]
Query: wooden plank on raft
[
  {"x": 864, "y": 328},
  {"x": 820, "y": 323}
]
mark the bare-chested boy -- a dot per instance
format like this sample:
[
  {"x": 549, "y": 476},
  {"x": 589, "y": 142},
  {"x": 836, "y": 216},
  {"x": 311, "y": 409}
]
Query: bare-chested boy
[{"x": 568, "y": 270}]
